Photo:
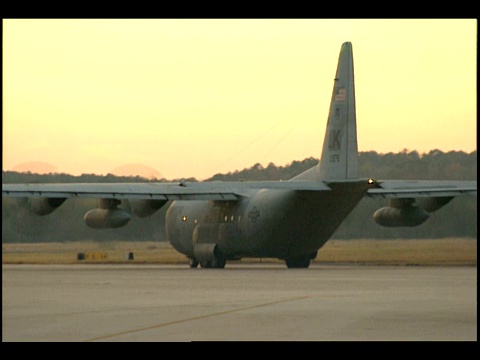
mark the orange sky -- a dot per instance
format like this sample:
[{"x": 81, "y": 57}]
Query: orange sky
[{"x": 191, "y": 98}]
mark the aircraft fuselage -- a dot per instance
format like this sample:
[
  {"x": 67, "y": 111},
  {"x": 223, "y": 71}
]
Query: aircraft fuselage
[{"x": 280, "y": 224}]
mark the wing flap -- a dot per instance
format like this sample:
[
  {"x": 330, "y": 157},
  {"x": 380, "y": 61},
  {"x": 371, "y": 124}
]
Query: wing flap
[{"x": 422, "y": 188}]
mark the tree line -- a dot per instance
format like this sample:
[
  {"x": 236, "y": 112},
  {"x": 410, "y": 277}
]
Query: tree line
[{"x": 457, "y": 219}]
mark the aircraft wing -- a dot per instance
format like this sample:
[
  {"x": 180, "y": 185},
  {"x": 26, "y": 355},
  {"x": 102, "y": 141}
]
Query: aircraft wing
[
  {"x": 230, "y": 190},
  {"x": 422, "y": 188},
  {"x": 157, "y": 191}
]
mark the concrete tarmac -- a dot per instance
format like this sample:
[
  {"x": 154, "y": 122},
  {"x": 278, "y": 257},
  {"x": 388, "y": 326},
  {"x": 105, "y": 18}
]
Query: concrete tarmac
[{"x": 265, "y": 302}]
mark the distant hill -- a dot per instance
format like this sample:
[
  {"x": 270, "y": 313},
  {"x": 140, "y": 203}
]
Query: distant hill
[
  {"x": 141, "y": 170},
  {"x": 36, "y": 167}
]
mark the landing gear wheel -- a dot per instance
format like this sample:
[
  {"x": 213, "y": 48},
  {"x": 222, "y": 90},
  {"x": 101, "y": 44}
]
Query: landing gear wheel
[
  {"x": 193, "y": 263},
  {"x": 219, "y": 263},
  {"x": 298, "y": 262},
  {"x": 206, "y": 264}
]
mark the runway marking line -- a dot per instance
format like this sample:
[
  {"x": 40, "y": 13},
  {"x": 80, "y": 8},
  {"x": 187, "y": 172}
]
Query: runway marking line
[{"x": 194, "y": 318}]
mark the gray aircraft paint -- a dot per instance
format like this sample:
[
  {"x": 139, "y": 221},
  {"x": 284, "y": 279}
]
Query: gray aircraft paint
[{"x": 340, "y": 155}]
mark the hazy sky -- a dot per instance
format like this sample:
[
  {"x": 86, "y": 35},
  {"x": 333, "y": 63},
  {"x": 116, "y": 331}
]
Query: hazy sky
[{"x": 192, "y": 98}]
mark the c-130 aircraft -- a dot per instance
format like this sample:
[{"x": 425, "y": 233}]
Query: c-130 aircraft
[{"x": 213, "y": 222}]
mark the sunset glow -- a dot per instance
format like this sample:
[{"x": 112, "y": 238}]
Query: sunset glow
[{"x": 192, "y": 98}]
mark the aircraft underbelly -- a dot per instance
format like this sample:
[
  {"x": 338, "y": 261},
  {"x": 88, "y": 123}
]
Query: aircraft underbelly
[{"x": 310, "y": 222}]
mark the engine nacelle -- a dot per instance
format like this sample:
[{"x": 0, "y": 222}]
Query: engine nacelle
[
  {"x": 44, "y": 206},
  {"x": 106, "y": 218},
  {"x": 432, "y": 204},
  {"x": 403, "y": 216},
  {"x": 144, "y": 208}
]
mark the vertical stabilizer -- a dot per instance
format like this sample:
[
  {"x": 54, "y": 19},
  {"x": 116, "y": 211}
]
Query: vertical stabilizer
[{"x": 340, "y": 154}]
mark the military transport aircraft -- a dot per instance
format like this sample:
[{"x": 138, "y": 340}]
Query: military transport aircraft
[{"x": 213, "y": 222}]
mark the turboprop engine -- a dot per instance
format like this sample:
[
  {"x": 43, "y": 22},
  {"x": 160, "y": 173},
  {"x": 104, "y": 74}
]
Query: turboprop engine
[
  {"x": 44, "y": 206},
  {"x": 403, "y": 212},
  {"x": 145, "y": 208},
  {"x": 107, "y": 215}
]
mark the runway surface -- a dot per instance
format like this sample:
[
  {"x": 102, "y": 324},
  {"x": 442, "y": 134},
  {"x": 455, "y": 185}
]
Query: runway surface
[{"x": 241, "y": 302}]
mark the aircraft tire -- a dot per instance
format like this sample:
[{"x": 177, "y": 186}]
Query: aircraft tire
[
  {"x": 193, "y": 263},
  {"x": 219, "y": 263},
  {"x": 206, "y": 264},
  {"x": 299, "y": 262}
]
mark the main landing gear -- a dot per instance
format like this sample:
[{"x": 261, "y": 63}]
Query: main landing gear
[
  {"x": 217, "y": 263},
  {"x": 300, "y": 261},
  {"x": 193, "y": 262}
]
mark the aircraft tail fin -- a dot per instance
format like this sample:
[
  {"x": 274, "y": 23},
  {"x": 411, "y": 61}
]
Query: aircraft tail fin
[{"x": 339, "y": 158}]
